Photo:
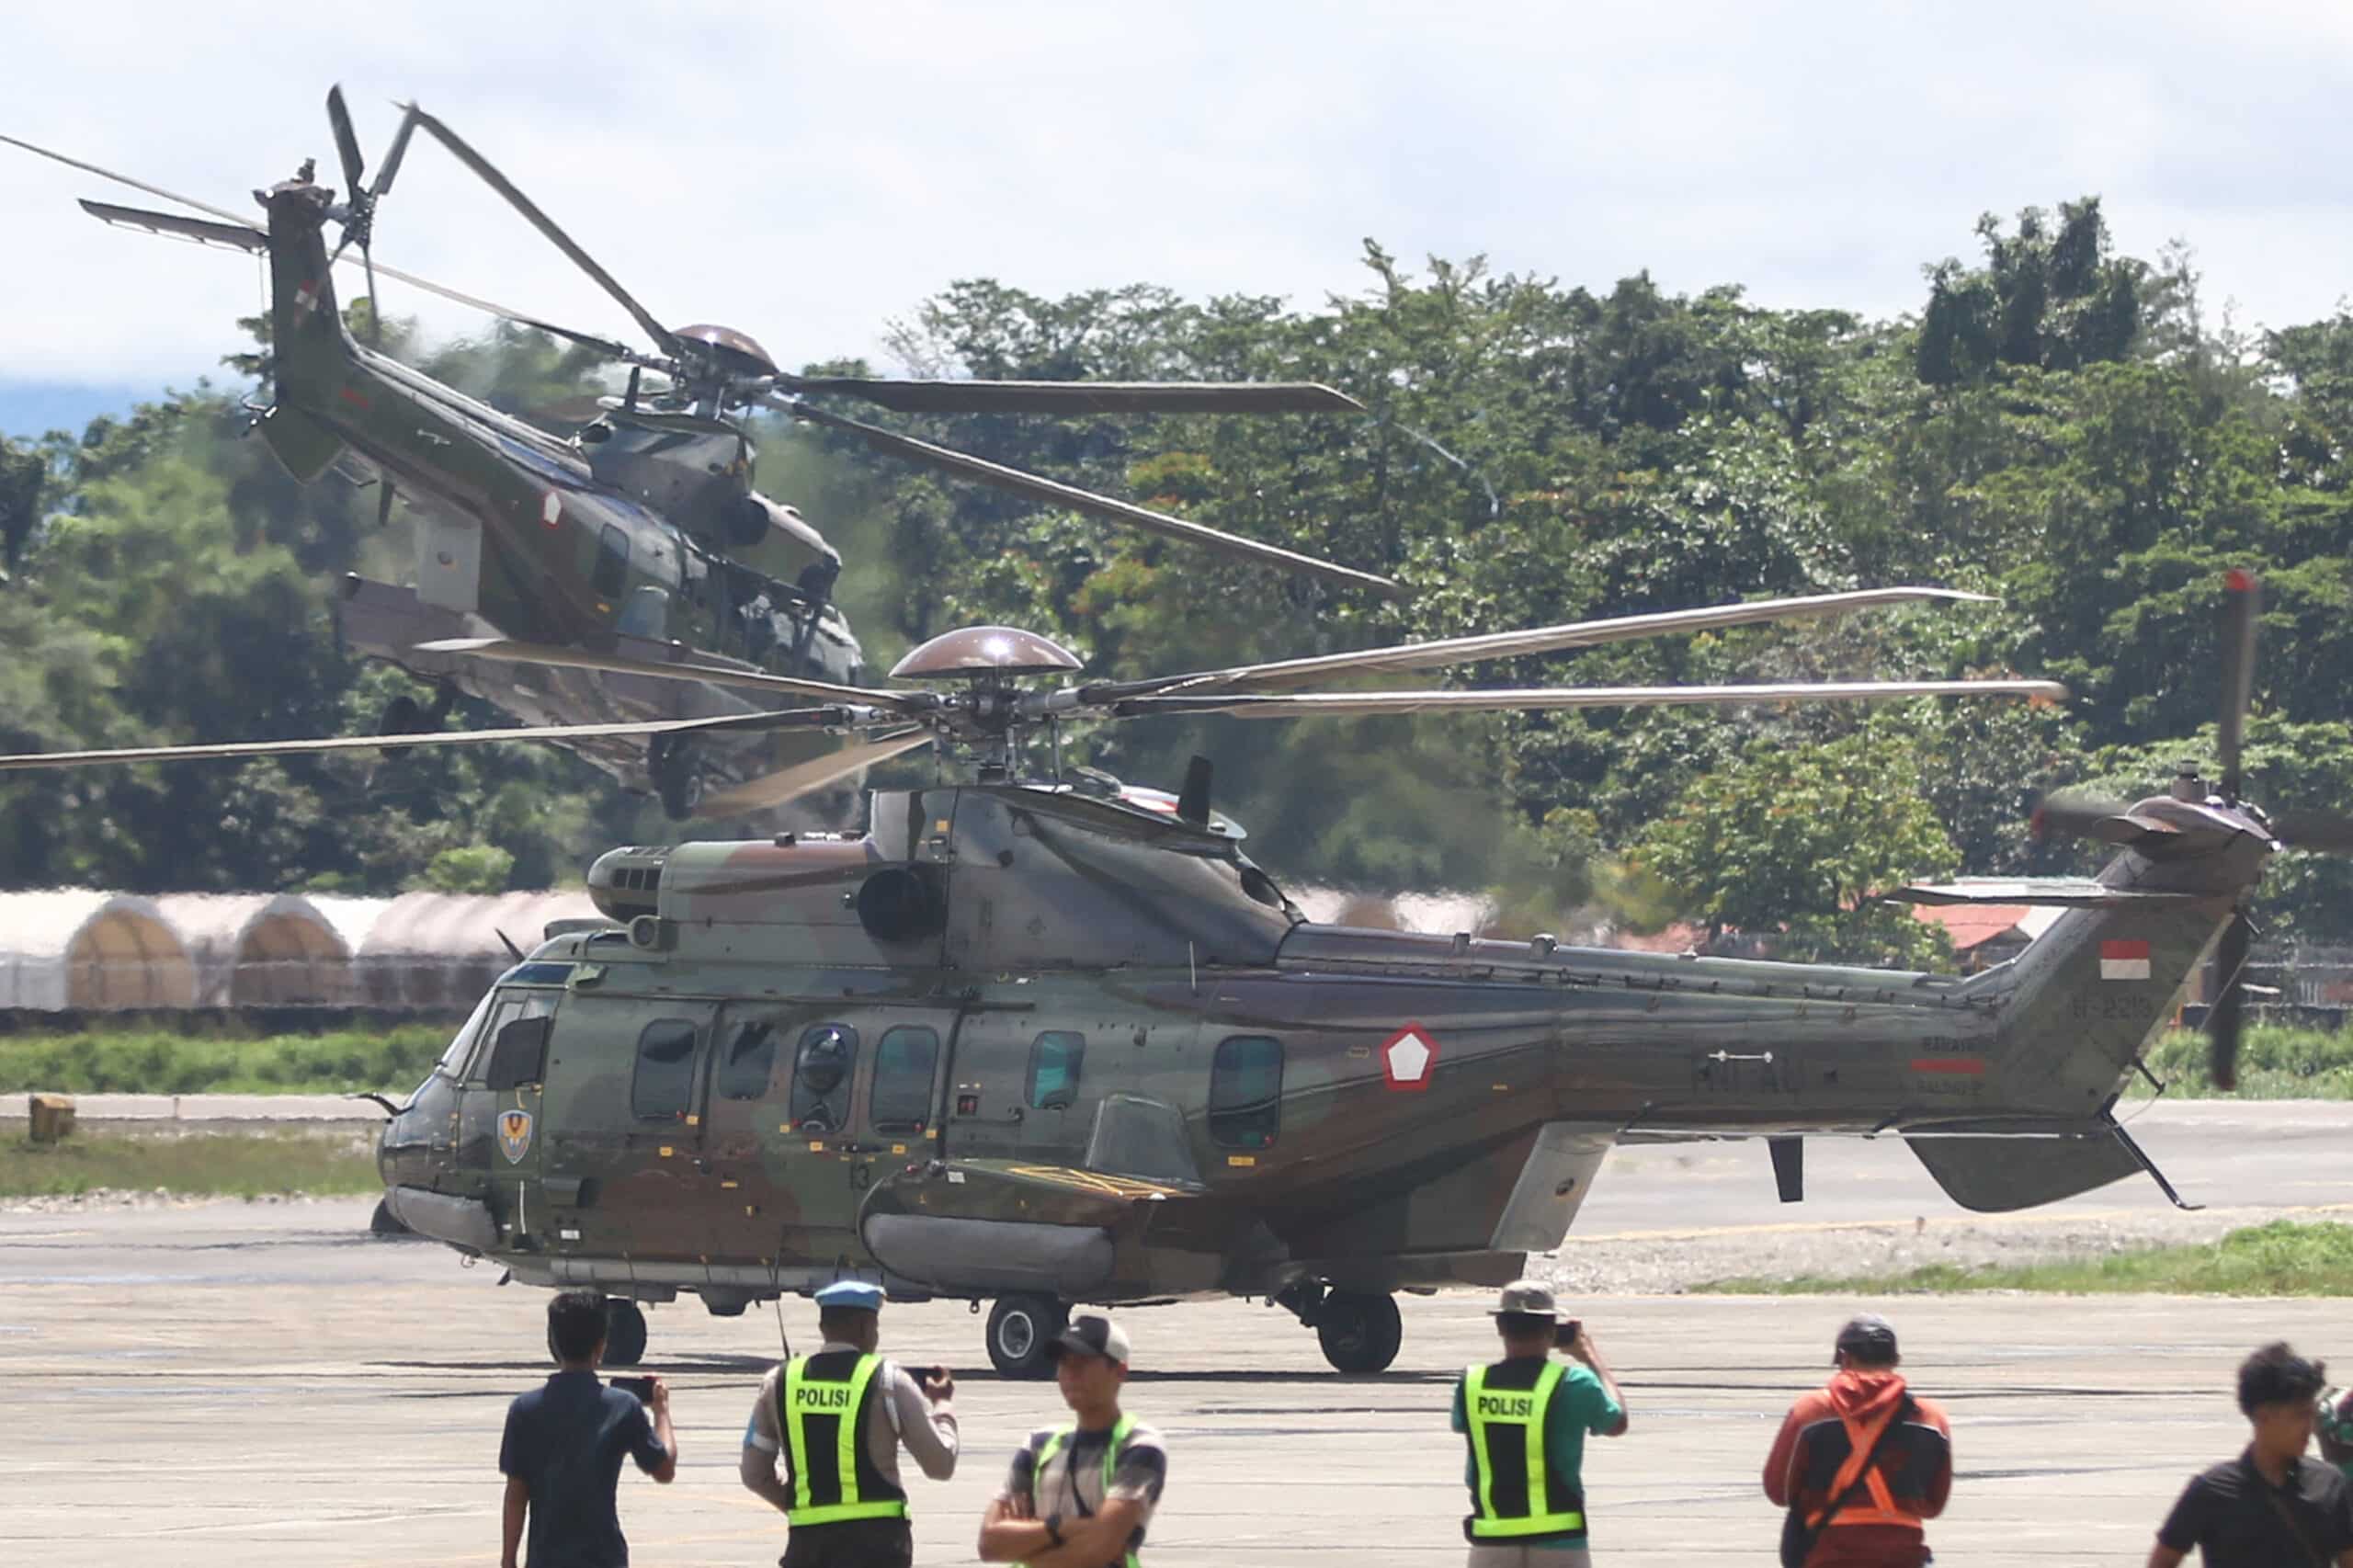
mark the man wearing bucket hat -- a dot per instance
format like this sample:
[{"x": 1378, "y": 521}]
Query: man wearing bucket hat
[
  {"x": 1526, "y": 1418},
  {"x": 1860, "y": 1463},
  {"x": 838, "y": 1419},
  {"x": 1080, "y": 1496}
]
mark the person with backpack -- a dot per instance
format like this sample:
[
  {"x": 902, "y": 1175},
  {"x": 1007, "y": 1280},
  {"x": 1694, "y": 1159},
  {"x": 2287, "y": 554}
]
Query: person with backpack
[{"x": 1861, "y": 1463}]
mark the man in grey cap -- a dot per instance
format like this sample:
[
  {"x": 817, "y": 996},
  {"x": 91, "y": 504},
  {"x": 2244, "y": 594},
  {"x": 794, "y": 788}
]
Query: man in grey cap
[
  {"x": 1525, "y": 1419},
  {"x": 1860, "y": 1463},
  {"x": 838, "y": 1419}
]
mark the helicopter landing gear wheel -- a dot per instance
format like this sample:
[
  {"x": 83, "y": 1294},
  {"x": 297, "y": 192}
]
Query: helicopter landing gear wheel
[
  {"x": 1360, "y": 1331},
  {"x": 1021, "y": 1327},
  {"x": 677, "y": 765},
  {"x": 624, "y": 1332}
]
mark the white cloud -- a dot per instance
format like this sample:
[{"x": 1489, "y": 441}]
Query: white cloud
[{"x": 806, "y": 173}]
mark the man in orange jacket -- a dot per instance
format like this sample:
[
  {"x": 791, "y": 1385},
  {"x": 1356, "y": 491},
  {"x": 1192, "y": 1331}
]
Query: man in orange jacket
[{"x": 1864, "y": 1413}]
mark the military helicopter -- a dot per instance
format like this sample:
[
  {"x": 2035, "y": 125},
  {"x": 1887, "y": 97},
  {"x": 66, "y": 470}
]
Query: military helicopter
[
  {"x": 626, "y": 538},
  {"x": 1039, "y": 1038}
]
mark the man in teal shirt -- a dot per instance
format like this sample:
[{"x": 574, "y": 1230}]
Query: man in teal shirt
[{"x": 1525, "y": 1420}]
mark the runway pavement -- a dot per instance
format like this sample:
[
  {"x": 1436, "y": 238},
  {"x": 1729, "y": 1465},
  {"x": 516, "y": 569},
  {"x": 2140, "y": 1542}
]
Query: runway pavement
[{"x": 261, "y": 1384}]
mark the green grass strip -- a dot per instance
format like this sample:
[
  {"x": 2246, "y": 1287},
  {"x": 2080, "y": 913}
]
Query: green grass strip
[
  {"x": 233, "y": 1164},
  {"x": 155, "y": 1063},
  {"x": 2285, "y": 1257},
  {"x": 2275, "y": 1063}
]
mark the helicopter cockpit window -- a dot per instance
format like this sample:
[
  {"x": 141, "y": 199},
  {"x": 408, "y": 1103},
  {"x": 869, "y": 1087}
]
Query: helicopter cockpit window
[
  {"x": 664, "y": 1084},
  {"x": 461, "y": 1044},
  {"x": 821, "y": 1078},
  {"x": 903, "y": 1063},
  {"x": 1246, "y": 1092},
  {"x": 1054, "y": 1061},
  {"x": 750, "y": 1057},
  {"x": 611, "y": 574}
]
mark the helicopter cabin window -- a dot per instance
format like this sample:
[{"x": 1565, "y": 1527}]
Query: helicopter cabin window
[
  {"x": 1246, "y": 1092},
  {"x": 749, "y": 1058},
  {"x": 461, "y": 1044},
  {"x": 1054, "y": 1062},
  {"x": 664, "y": 1081},
  {"x": 821, "y": 1078},
  {"x": 903, "y": 1069},
  {"x": 469, "y": 1055},
  {"x": 611, "y": 575}
]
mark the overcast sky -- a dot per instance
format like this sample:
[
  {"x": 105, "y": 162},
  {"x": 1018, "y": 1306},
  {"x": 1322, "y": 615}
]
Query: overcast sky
[{"x": 807, "y": 172}]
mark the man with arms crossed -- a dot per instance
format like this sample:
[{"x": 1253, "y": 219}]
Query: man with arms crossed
[{"x": 1079, "y": 1497}]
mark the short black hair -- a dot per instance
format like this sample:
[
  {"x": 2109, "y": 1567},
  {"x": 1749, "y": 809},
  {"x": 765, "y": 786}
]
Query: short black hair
[
  {"x": 842, "y": 1323},
  {"x": 575, "y": 1324},
  {"x": 1524, "y": 1325},
  {"x": 2277, "y": 1375}
]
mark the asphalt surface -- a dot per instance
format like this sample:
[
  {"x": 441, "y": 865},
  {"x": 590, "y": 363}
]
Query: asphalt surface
[{"x": 262, "y": 1385}]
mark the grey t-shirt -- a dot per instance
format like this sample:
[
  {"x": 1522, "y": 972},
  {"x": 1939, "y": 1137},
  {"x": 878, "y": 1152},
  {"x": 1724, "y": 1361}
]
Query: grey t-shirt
[{"x": 1071, "y": 1484}]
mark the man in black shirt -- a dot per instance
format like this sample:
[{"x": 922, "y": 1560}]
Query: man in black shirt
[
  {"x": 2270, "y": 1508},
  {"x": 562, "y": 1454}
]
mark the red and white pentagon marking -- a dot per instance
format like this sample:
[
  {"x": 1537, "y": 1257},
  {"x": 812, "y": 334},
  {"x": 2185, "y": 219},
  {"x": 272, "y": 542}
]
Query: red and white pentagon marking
[
  {"x": 551, "y": 508},
  {"x": 1408, "y": 1058}
]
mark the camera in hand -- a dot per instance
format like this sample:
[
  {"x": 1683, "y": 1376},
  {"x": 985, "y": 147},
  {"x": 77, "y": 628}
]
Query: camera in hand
[
  {"x": 1565, "y": 1335},
  {"x": 641, "y": 1387}
]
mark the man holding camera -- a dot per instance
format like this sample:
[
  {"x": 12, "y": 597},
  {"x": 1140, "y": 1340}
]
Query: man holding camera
[
  {"x": 564, "y": 1440},
  {"x": 838, "y": 1419},
  {"x": 1525, "y": 1419}
]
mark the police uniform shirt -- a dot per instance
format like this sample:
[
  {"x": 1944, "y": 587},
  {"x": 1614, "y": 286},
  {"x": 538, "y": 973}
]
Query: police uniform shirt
[
  {"x": 899, "y": 1412},
  {"x": 1580, "y": 1404},
  {"x": 2223, "y": 1513},
  {"x": 1071, "y": 1484}
]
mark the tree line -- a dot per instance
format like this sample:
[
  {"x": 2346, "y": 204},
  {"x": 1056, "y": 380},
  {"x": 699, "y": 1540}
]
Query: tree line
[{"x": 2065, "y": 427}]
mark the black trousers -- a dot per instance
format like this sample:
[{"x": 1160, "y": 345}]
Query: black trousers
[{"x": 852, "y": 1543}]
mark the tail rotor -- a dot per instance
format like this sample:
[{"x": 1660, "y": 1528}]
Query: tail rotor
[{"x": 359, "y": 210}]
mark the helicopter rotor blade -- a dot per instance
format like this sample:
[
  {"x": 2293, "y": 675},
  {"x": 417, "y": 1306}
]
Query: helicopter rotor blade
[
  {"x": 550, "y": 656},
  {"x": 2242, "y": 602},
  {"x": 749, "y": 722},
  {"x": 1513, "y": 644},
  {"x": 2224, "y": 1017},
  {"x": 1054, "y": 491},
  {"x": 221, "y": 212},
  {"x": 907, "y": 396},
  {"x": 1326, "y": 704},
  {"x": 347, "y": 146},
  {"x": 487, "y": 172},
  {"x": 171, "y": 225},
  {"x": 2316, "y": 833},
  {"x": 391, "y": 164},
  {"x": 772, "y": 790}
]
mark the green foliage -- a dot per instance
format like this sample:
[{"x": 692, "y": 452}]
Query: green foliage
[
  {"x": 2285, "y": 1257},
  {"x": 2275, "y": 1063},
  {"x": 472, "y": 868},
  {"x": 1795, "y": 844},
  {"x": 233, "y": 1164},
  {"x": 158, "y": 1062}
]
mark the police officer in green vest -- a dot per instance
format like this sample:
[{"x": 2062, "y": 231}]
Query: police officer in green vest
[
  {"x": 1526, "y": 1418},
  {"x": 838, "y": 1419}
]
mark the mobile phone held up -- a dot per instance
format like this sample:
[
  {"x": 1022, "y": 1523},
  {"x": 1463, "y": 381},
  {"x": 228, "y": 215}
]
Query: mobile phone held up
[
  {"x": 1565, "y": 1335},
  {"x": 641, "y": 1387}
]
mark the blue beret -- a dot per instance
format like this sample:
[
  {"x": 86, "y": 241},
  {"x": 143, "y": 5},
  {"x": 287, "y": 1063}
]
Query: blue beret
[{"x": 856, "y": 1294}]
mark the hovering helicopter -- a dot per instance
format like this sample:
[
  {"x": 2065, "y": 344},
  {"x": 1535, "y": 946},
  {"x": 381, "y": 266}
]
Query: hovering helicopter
[
  {"x": 1038, "y": 1038},
  {"x": 626, "y": 539}
]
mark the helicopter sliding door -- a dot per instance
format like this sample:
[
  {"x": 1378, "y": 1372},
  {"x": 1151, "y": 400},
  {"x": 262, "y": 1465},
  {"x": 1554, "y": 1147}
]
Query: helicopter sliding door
[
  {"x": 808, "y": 1103},
  {"x": 625, "y": 1168}
]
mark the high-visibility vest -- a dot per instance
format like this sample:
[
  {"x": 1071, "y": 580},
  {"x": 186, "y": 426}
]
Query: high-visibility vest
[
  {"x": 1055, "y": 1445},
  {"x": 825, "y": 1428},
  {"x": 1516, "y": 1492}
]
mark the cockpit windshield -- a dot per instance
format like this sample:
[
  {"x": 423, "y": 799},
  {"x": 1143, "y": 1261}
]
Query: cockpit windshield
[{"x": 453, "y": 1060}]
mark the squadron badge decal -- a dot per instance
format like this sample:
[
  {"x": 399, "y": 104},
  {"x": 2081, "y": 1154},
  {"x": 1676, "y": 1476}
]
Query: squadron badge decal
[{"x": 515, "y": 1135}]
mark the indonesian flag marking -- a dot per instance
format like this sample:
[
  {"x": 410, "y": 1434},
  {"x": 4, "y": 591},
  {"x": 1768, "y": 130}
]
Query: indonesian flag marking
[
  {"x": 1407, "y": 1059},
  {"x": 306, "y": 299},
  {"x": 2124, "y": 960}
]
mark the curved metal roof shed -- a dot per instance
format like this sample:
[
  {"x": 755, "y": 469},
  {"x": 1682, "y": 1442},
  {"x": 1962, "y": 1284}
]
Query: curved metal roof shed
[
  {"x": 261, "y": 949},
  {"x": 77, "y": 947},
  {"x": 441, "y": 950}
]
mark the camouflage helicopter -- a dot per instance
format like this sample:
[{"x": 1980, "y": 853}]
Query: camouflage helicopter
[
  {"x": 1038, "y": 1038},
  {"x": 626, "y": 539}
]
